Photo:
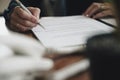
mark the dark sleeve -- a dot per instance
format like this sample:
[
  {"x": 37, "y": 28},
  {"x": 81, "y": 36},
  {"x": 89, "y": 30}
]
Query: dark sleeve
[{"x": 8, "y": 11}]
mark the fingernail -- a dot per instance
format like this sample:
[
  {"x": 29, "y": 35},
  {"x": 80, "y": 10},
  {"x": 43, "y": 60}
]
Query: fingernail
[{"x": 87, "y": 15}]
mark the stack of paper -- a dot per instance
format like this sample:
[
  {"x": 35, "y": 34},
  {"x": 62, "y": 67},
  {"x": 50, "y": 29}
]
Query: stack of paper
[{"x": 68, "y": 31}]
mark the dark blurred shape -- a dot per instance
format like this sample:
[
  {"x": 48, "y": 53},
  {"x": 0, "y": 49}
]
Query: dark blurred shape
[
  {"x": 61, "y": 7},
  {"x": 104, "y": 54},
  {"x": 78, "y": 6}
]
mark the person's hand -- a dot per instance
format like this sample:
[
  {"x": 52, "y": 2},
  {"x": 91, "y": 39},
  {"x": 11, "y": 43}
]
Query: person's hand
[
  {"x": 22, "y": 21},
  {"x": 99, "y": 10}
]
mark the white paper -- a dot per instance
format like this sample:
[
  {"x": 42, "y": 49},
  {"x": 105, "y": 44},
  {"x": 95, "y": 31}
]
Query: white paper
[
  {"x": 68, "y": 31},
  {"x": 111, "y": 21}
]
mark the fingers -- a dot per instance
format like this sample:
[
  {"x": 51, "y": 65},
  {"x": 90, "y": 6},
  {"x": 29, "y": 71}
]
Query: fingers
[
  {"x": 103, "y": 14},
  {"x": 19, "y": 27},
  {"x": 22, "y": 21},
  {"x": 35, "y": 12},
  {"x": 92, "y": 9},
  {"x": 24, "y": 15},
  {"x": 99, "y": 10}
]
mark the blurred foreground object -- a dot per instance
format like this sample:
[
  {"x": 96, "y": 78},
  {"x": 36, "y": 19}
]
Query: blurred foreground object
[
  {"x": 21, "y": 58},
  {"x": 104, "y": 54}
]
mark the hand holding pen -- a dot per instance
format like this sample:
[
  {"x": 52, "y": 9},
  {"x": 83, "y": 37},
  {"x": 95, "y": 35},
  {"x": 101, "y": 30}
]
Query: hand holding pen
[
  {"x": 27, "y": 10},
  {"x": 21, "y": 20}
]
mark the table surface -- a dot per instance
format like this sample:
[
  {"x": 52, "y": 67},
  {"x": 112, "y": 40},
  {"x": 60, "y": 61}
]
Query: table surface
[
  {"x": 61, "y": 61},
  {"x": 64, "y": 60}
]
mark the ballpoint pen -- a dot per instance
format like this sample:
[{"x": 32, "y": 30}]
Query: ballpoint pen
[{"x": 23, "y": 7}]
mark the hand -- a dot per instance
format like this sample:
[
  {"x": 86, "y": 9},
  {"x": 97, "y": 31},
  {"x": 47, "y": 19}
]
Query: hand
[
  {"x": 99, "y": 10},
  {"x": 22, "y": 21}
]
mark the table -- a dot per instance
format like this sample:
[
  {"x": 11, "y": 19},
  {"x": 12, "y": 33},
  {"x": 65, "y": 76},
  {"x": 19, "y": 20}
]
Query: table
[{"x": 61, "y": 61}]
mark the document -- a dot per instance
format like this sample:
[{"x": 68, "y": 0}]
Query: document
[
  {"x": 68, "y": 31},
  {"x": 110, "y": 21}
]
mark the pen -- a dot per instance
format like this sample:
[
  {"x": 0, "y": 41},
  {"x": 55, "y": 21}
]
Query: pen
[{"x": 23, "y": 7}]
